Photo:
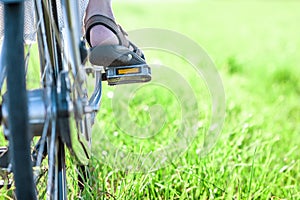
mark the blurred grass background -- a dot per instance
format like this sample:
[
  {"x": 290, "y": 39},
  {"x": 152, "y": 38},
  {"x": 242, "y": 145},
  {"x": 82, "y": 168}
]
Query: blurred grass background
[{"x": 255, "y": 45}]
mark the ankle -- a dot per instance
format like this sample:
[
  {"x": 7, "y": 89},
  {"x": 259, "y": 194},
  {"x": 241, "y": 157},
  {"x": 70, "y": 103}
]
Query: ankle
[{"x": 96, "y": 7}]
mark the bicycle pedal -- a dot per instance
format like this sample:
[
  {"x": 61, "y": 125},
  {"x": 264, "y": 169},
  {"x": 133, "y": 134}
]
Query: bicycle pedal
[{"x": 128, "y": 74}]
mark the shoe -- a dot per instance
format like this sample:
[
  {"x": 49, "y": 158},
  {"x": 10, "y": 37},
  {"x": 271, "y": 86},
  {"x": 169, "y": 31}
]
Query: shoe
[{"x": 125, "y": 62}]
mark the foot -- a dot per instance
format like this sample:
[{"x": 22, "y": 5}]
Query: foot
[
  {"x": 101, "y": 35},
  {"x": 102, "y": 31}
]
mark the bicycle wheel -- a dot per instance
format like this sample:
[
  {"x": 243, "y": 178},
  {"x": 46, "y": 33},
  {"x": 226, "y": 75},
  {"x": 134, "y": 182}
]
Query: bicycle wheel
[{"x": 59, "y": 112}]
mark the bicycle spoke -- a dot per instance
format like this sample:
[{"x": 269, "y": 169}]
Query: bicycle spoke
[
  {"x": 27, "y": 56},
  {"x": 43, "y": 142},
  {"x": 51, "y": 157}
]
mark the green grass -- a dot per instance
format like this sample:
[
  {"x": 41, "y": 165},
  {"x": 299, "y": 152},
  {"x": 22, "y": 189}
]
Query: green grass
[{"x": 255, "y": 46}]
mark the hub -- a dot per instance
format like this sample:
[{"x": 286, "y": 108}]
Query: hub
[{"x": 36, "y": 111}]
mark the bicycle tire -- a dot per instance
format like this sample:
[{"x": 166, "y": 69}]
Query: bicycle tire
[{"x": 17, "y": 101}]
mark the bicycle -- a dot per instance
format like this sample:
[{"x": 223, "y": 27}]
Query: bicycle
[{"x": 40, "y": 123}]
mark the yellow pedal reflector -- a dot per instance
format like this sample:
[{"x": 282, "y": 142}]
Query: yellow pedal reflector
[
  {"x": 128, "y": 74},
  {"x": 124, "y": 71}
]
